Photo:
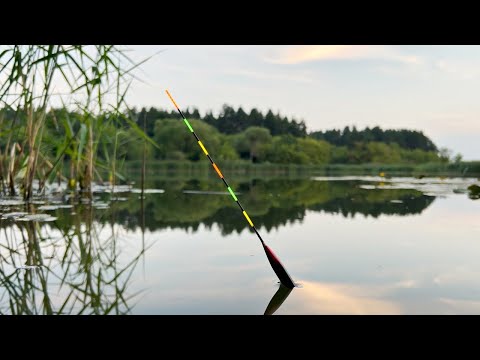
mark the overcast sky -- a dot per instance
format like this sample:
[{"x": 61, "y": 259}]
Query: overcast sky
[{"x": 435, "y": 89}]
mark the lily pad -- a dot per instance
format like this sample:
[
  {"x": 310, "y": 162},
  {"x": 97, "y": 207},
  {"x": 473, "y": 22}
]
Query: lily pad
[
  {"x": 148, "y": 191},
  {"x": 11, "y": 202},
  {"x": 37, "y": 217},
  {"x": 13, "y": 215}
]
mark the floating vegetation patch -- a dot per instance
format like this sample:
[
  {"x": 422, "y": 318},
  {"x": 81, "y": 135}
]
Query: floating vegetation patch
[
  {"x": 207, "y": 192},
  {"x": 348, "y": 178},
  {"x": 11, "y": 202},
  {"x": 55, "y": 207},
  {"x": 367, "y": 187},
  {"x": 429, "y": 186},
  {"x": 48, "y": 207},
  {"x": 14, "y": 215},
  {"x": 37, "y": 217},
  {"x": 101, "y": 205},
  {"x": 109, "y": 189},
  {"x": 147, "y": 191},
  {"x": 53, "y": 200}
]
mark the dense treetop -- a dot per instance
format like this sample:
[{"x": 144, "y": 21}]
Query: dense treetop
[
  {"x": 231, "y": 121},
  {"x": 236, "y": 134}
]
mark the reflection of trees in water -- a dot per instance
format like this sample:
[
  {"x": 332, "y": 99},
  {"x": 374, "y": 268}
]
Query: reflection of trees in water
[
  {"x": 271, "y": 204},
  {"x": 350, "y": 206},
  {"x": 73, "y": 265},
  {"x": 228, "y": 222},
  {"x": 64, "y": 268}
]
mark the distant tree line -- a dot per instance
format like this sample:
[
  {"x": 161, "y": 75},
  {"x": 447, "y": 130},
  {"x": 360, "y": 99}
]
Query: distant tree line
[
  {"x": 232, "y": 135},
  {"x": 229, "y": 121},
  {"x": 407, "y": 139},
  {"x": 236, "y": 134}
]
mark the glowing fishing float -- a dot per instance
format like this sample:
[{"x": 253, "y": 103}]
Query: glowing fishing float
[{"x": 272, "y": 258}]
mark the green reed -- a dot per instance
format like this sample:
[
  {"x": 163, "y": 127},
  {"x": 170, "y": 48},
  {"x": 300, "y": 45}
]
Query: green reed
[{"x": 91, "y": 80}]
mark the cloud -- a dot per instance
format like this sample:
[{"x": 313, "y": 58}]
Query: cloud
[
  {"x": 460, "y": 276},
  {"x": 269, "y": 76},
  {"x": 308, "y": 53},
  {"x": 464, "y": 69},
  {"x": 461, "y": 306}
]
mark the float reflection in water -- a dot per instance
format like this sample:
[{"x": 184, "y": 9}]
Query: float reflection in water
[{"x": 277, "y": 300}]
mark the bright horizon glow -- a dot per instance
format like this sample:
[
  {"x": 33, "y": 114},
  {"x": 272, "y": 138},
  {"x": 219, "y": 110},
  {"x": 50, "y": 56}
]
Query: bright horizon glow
[{"x": 433, "y": 89}]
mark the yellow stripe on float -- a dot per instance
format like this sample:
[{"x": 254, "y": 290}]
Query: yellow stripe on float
[
  {"x": 203, "y": 147},
  {"x": 248, "y": 218}
]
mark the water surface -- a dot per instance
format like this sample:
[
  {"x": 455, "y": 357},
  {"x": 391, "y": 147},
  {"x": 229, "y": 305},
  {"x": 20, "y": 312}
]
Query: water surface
[{"x": 355, "y": 245}]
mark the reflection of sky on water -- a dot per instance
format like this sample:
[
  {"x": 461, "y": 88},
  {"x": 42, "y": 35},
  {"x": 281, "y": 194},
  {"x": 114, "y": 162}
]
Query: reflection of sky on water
[
  {"x": 360, "y": 265},
  {"x": 419, "y": 262}
]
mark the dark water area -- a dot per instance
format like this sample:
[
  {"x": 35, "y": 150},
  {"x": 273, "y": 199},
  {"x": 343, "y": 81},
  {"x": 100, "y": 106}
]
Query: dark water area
[{"x": 353, "y": 244}]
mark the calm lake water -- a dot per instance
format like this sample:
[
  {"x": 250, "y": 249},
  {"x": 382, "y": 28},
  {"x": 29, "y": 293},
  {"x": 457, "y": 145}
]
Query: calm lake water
[{"x": 354, "y": 245}]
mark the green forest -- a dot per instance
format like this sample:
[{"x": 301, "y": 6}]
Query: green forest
[
  {"x": 272, "y": 138},
  {"x": 236, "y": 134}
]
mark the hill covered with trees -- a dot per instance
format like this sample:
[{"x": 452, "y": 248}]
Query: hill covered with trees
[
  {"x": 259, "y": 137},
  {"x": 233, "y": 134},
  {"x": 229, "y": 121},
  {"x": 407, "y": 139}
]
